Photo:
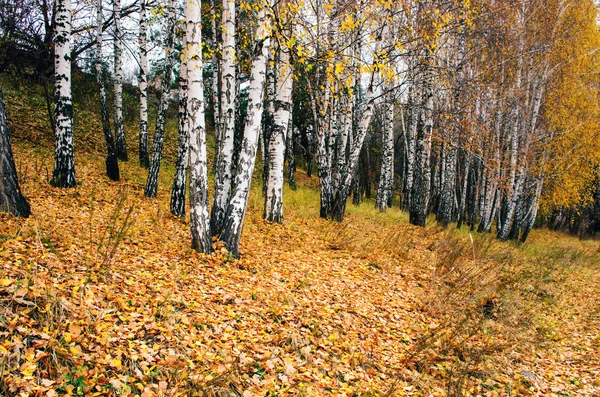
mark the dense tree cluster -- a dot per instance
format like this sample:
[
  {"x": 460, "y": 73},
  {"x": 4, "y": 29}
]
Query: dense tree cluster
[{"x": 481, "y": 112}]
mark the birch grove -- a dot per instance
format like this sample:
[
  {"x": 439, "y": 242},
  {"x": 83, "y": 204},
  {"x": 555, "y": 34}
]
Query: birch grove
[{"x": 463, "y": 112}]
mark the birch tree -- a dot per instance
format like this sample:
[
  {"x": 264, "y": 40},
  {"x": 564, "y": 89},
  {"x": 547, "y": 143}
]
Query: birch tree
[
  {"x": 64, "y": 159},
  {"x": 112, "y": 164},
  {"x": 224, "y": 158},
  {"x": 192, "y": 53},
  {"x": 163, "y": 104},
  {"x": 118, "y": 82},
  {"x": 282, "y": 106},
  {"x": 236, "y": 210},
  {"x": 143, "y": 85},
  {"x": 181, "y": 165}
]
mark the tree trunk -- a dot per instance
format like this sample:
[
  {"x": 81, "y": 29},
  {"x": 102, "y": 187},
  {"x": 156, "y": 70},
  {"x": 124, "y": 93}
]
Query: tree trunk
[
  {"x": 448, "y": 187},
  {"x": 112, "y": 164},
  {"x": 236, "y": 211},
  {"x": 290, "y": 154},
  {"x": 163, "y": 105},
  {"x": 215, "y": 73},
  {"x": 11, "y": 198},
  {"x": 143, "y": 85},
  {"x": 64, "y": 159},
  {"x": 118, "y": 83},
  {"x": 386, "y": 179},
  {"x": 267, "y": 121},
  {"x": 410, "y": 148},
  {"x": 181, "y": 166},
  {"x": 463, "y": 190},
  {"x": 224, "y": 160},
  {"x": 509, "y": 202},
  {"x": 422, "y": 182},
  {"x": 276, "y": 150},
  {"x": 199, "y": 218}
]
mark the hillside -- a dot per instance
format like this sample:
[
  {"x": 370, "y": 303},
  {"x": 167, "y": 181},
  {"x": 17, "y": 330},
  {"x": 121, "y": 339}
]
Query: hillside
[{"x": 102, "y": 295}]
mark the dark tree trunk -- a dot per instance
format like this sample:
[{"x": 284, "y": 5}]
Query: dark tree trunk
[
  {"x": 112, "y": 164},
  {"x": 159, "y": 133},
  {"x": 11, "y": 199},
  {"x": 289, "y": 153},
  {"x": 181, "y": 165}
]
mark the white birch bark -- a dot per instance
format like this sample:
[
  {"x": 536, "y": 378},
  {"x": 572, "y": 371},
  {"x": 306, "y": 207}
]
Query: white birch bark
[
  {"x": 118, "y": 82},
  {"x": 510, "y": 201},
  {"x": 273, "y": 209},
  {"x": 112, "y": 164},
  {"x": 163, "y": 105},
  {"x": 224, "y": 161},
  {"x": 267, "y": 119},
  {"x": 143, "y": 85},
  {"x": 341, "y": 190},
  {"x": 64, "y": 160},
  {"x": 181, "y": 165},
  {"x": 215, "y": 70},
  {"x": 290, "y": 155},
  {"x": 386, "y": 178},
  {"x": 410, "y": 147},
  {"x": 236, "y": 211},
  {"x": 199, "y": 218}
]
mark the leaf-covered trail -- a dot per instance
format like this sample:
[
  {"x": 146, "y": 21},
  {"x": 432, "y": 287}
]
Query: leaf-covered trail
[{"x": 101, "y": 294}]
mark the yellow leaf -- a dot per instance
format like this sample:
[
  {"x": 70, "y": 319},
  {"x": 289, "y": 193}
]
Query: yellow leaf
[{"x": 5, "y": 282}]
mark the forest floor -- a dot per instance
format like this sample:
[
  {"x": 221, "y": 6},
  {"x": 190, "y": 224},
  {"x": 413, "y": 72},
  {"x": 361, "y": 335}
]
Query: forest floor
[{"x": 101, "y": 294}]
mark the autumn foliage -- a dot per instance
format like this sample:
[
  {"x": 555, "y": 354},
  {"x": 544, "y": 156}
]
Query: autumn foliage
[{"x": 102, "y": 295}]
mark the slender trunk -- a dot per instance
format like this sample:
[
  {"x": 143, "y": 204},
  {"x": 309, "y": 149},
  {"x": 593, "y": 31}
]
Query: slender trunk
[
  {"x": 386, "y": 178},
  {"x": 472, "y": 196},
  {"x": 463, "y": 189},
  {"x": 515, "y": 229},
  {"x": 422, "y": 183},
  {"x": 11, "y": 198},
  {"x": 49, "y": 109},
  {"x": 410, "y": 148},
  {"x": 224, "y": 160},
  {"x": 215, "y": 73},
  {"x": 267, "y": 121},
  {"x": 338, "y": 207},
  {"x": 529, "y": 220},
  {"x": 510, "y": 201},
  {"x": 163, "y": 105},
  {"x": 118, "y": 83},
  {"x": 236, "y": 211},
  {"x": 112, "y": 164},
  {"x": 64, "y": 159},
  {"x": 143, "y": 84},
  {"x": 325, "y": 185},
  {"x": 199, "y": 218},
  {"x": 448, "y": 186},
  {"x": 291, "y": 160},
  {"x": 273, "y": 210},
  {"x": 181, "y": 166}
]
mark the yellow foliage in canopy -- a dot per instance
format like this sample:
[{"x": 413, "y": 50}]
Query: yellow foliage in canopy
[{"x": 572, "y": 110}]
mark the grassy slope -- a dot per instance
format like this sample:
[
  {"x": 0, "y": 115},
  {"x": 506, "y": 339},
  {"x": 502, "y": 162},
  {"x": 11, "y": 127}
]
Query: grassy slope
[{"x": 102, "y": 294}]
